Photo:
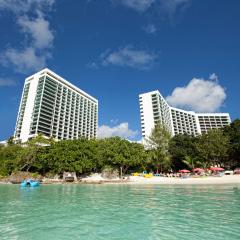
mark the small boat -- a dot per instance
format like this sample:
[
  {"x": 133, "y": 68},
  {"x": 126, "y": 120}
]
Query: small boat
[{"x": 30, "y": 183}]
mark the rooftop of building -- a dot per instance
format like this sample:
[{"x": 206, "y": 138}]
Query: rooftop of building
[
  {"x": 185, "y": 111},
  {"x": 62, "y": 80}
]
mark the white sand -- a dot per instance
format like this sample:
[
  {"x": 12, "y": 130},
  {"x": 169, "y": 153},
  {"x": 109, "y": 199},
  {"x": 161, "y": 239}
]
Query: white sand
[
  {"x": 93, "y": 177},
  {"x": 228, "y": 179},
  {"x": 96, "y": 177}
]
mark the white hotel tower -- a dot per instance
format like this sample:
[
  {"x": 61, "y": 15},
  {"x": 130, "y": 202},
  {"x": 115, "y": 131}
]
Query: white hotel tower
[
  {"x": 154, "y": 108},
  {"x": 54, "y": 107}
]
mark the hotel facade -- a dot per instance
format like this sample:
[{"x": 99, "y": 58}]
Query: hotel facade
[
  {"x": 54, "y": 107},
  {"x": 154, "y": 108}
]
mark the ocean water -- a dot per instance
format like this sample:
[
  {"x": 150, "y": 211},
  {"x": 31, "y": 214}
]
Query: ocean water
[{"x": 120, "y": 212}]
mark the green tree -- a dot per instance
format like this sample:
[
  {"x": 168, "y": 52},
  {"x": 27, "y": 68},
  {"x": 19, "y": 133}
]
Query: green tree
[
  {"x": 73, "y": 155},
  {"x": 9, "y": 156},
  {"x": 233, "y": 132},
  {"x": 158, "y": 143},
  {"x": 212, "y": 147},
  {"x": 182, "y": 148},
  {"x": 122, "y": 154},
  {"x": 10, "y": 141},
  {"x": 191, "y": 161},
  {"x": 29, "y": 157}
]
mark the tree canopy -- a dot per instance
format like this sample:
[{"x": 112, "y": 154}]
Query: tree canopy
[
  {"x": 163, "y": 152},
  {"x": 158, "y": 144}
]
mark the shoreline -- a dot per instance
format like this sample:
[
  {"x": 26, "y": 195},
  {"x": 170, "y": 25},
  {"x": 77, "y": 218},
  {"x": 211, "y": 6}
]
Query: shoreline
[{"x": 224, "y": 180}]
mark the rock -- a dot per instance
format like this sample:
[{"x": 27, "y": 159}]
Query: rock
[
  {"x": 110, "y": 173},
  {"x": 18, "y": 177}
]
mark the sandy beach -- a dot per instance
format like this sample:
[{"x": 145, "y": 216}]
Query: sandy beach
[
  {"x": 227, "y": 179},
  {"x": 232, "y": 179}
]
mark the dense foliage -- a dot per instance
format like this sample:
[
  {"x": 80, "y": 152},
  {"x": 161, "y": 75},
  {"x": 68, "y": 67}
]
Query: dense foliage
[
  {"x": 158, "y": 144},
  {"x": 40, "y": 155}
]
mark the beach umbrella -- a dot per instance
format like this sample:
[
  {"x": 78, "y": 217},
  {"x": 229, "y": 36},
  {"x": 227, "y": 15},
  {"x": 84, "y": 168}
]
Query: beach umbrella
[
  {"x": 184, "y": 171},
  {"x": 216, "y": 169},
  {"x": 198, "y": 170}
]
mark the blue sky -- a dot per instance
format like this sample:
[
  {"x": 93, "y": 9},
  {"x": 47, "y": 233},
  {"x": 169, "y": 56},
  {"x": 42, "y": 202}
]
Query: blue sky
[{"x": 116, "y": 49}]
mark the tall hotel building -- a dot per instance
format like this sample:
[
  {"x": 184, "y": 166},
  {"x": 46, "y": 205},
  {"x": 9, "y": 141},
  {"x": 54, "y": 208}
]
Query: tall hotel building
[
  {"x": 54, "y": 107},
  {"x": 154, "y": 108}
]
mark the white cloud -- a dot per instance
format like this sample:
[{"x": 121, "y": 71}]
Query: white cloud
[
  {"x": 150, "y": 28},
  {"x": 24, "y": 60},
  {"x": 24, "y": 6},
  {"x": 36, "y": 29},
  {"x": 199, "y": 95},
  {"x": 5, "y": 82},
  {"x": 93, "y": 65},
  {"x": 170, "y": 7},
  {"x": 121, "y": 130},
  {"x": 114, "y": 121},
  {"x": 15, "y": 5},
  {"x": 213, "y": 76},
  {"x": 137, "y": 5},
  {"x": 129, "y": 57}
]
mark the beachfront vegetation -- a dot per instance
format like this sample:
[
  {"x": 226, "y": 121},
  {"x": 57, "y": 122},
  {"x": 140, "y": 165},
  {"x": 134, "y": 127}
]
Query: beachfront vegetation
[
  {"x": 158, "y": 145},
  {"x": 233, "y": 132},
  {"x": 202, "y": 151},
  {"x": 43, "y": 156}
]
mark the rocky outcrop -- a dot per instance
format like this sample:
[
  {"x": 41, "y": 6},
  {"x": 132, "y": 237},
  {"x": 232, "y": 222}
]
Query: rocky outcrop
[{"x": 18, "y": 177}]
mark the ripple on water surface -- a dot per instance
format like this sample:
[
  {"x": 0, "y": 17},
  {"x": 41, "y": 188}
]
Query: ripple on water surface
[{"x": 120, "y": 212}]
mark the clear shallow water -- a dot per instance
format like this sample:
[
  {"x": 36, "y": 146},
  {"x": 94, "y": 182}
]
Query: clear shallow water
[{"x": 120, "y": 212}]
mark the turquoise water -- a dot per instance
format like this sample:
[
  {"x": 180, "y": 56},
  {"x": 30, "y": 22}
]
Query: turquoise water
[{"x": 120, "y": 212}]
